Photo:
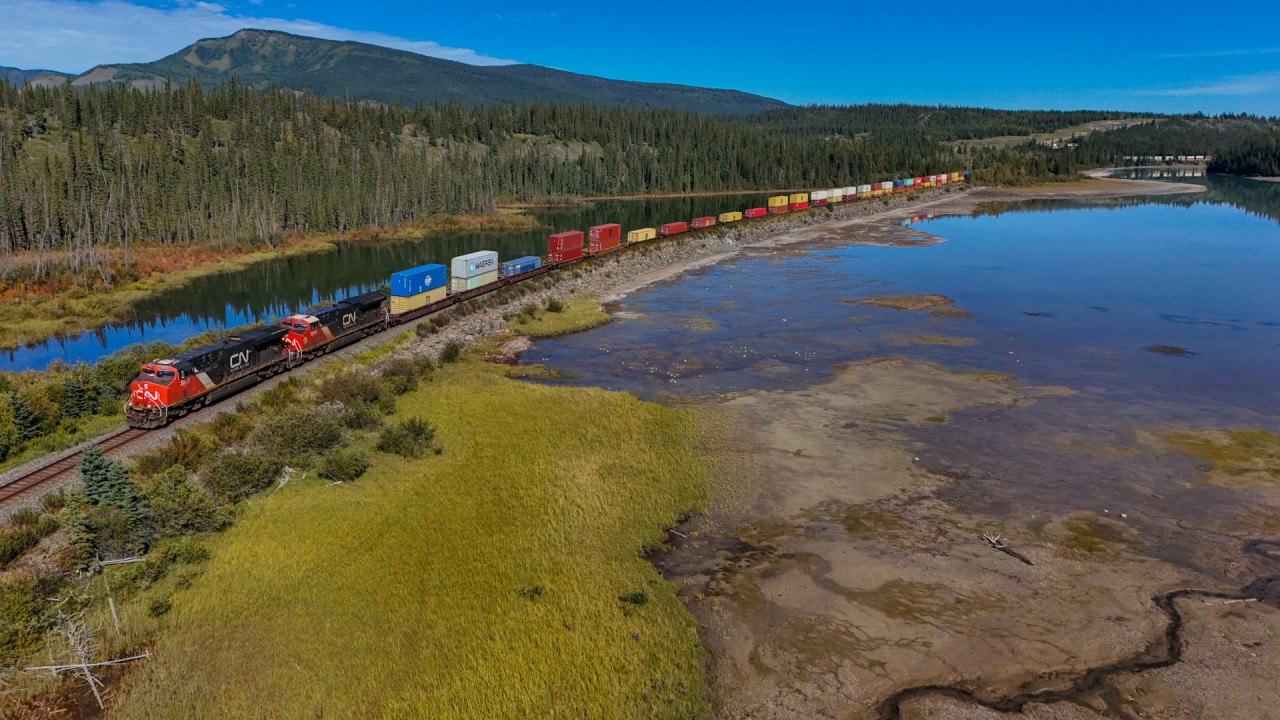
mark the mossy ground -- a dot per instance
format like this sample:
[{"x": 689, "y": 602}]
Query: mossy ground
[
  {"x": 577, "y": 314},
  {"x": 484, "y": 582},
  {"x": 1239, "y": 457}
]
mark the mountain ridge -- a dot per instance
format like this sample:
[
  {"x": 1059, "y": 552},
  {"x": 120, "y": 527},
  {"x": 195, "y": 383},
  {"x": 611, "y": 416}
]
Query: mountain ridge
[{"x": 339, "y": 69}]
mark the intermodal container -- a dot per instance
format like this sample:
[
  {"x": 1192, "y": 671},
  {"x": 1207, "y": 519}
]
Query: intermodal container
[
  {"x": 611, "y": 231},
  {"x": 851, "y": 192},
  {"x": 641, "y": 235},
  {"x": 908, "y": 182},
  {"x": 778, "y": 201},
  {"x": 702, "y": 222},
  {"x": 886, "y": 185},
  {"x": 754, "y": 212},
  {"x": 674, "y": 228},
  {"x": 520, "y": 265},
  {"x": 864, "y": 189},
  {"x": 562, "y": 241},
  {"x": 778, "y": 210},
  {"x": 598, "y": 245},
  {"x": 463, "y": 284},
  {"x": 474, "y": 264},
  {"x": 817, "y": 197},
  {"x": 799, "y": 198},
  {"x": 415, "y": 281},
  {"x": 560, "y": 256},
  {"x": 730, "y": 217},
  {"x": 835, "y": 195},
  {"x": 403, "y": 304}
]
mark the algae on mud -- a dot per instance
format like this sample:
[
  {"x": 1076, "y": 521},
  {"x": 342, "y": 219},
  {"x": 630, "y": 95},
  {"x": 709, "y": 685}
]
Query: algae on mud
[{"x": 412, "y": 590}]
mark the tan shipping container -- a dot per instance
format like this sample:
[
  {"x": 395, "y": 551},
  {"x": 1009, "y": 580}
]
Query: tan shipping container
[
  {"x": 458, "y": 284},
  {"x": 730, "y": 217},
  {"x": 401, "y": 305},
  {"x": 642, "y": 234}
]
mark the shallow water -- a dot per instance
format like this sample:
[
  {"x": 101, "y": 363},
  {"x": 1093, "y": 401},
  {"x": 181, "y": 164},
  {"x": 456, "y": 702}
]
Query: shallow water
[
  {"x": 277, "y": 288},
  {"x": 1078, "y": 298}
]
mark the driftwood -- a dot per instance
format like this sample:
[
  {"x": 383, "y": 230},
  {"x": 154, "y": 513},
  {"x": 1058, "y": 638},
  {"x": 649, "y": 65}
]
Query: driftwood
[
  {"x": 998, "y": 543},
  {"x": 81, "y": 645}
]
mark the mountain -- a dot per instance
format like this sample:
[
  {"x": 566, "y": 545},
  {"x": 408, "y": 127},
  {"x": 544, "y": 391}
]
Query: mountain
[
  {"x": 335, "y": 69},
  {"x": 18, "y": 76}
]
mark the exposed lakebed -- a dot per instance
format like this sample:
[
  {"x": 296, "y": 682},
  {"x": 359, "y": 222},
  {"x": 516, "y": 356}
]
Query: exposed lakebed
[{"x": 843, "y": 559}]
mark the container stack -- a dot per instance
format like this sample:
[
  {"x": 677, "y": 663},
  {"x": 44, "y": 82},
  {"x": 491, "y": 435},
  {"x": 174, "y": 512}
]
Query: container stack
[
  {"x": 778, "y": 204},
  {"x": 799, "y": 201},
  {"x": 864, "y": 189},
  {"x": 473, "y": 270},
  {"x": 564, "y": 246},
  {"x": 835, "y": 195},
  {"x": 520, "y": 265},
  {"x": 602, "y": 238},
  {"x": 417, "y": 287},
  {"x": 851, "y": 193},
  {"x": 635, "y": 236},
  {"x": 819, "y": 197}
]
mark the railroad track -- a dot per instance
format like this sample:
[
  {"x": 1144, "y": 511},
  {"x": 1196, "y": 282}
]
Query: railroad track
[{"x": 60, "y": 468}]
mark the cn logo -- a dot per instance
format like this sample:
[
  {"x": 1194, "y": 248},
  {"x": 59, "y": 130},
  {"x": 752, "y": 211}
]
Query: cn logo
[
  {"x": 239, "y": 360},
  {"x": 348, "y": 319}
]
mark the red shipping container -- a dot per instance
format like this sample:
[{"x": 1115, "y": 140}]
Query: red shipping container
[
  {"x": 612, "y": 231},
  {"x": 564, "y": 241},
  {"x": 674, "y": 228},
  {"x": 702, "y": 222},
  {"x": 599, "y": 245},
  {"x": 819, "y": 202},
  {"x": 754, "y": 212},
  {"x": 779, "y": 209},
  {"x": 799, "y": 206},
  {"x": 918, "y": 181},
  {"x": 559, "y": 256}
]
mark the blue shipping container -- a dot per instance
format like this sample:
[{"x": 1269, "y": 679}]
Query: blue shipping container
[
  {"x": 897, "y": 183},
  {"x": 909, "y": 182},
  {"x": 416, "y": 281},
  {"x": 520, "y": 265}
]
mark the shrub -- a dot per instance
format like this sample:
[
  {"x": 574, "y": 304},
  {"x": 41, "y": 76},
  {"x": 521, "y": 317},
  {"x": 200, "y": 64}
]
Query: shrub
[
  {"x": 179, "y": 506},
  {"x": 230, "y": 428},
  {"x": 555, "y": 306},
  {"x": 23, "y": 517},
  {"x": 8, "y": 429},
  {"x": 281, "y": 396},
  {"x": 359, "y": 415},
  {"x": 409, "y": 438},
  {"x": 450, "y": 353},
  {"x": 158, "y": 607},
  {"x": 16, "y": 540},
  {"x": 400, "y": 375},
  {"x": 231, "y": 474},
  {"x": 300, "y": 432},
  {"x": 533, "y": 592},
  {"x": 343, "y": 465},
  {"x": 635, "y": 597},
  {"x": 352, "y": 385},
  {"x": 26, "y": 604}
]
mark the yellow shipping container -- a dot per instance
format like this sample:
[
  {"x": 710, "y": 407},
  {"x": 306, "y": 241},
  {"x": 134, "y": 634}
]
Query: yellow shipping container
[
  {"x": 730, "y": 217},
  {"x": 778, "y": 201},
  {"x": 641, "y": 235},
  {"x": 799, "y": 197},
  {"x": 836, "y": 198},
  {"x": 401, "y": 305}
]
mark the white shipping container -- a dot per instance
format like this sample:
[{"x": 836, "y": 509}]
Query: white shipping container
[
  {"x": 850, "y": 192},
  {"x": 818, "y": 195},
  {"x": 473, "y": 264},
  {"x": 864, "y": 188},
  {"x": 887, "y": 185},
  {"x": 835, "y": 192}
]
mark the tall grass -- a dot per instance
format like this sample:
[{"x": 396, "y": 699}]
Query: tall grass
[
  {"x": 485, "y": 582},
  {"x": 560, "y": 318}
]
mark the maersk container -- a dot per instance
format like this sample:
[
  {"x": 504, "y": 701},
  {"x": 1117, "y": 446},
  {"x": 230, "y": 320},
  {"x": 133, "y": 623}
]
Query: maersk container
[
  {"x": 754, "y": 212},
  {"x": 610, "y": 231},
  {"x": 778, "y": 201},
  {"x": 401, "y": 304},
  {"x": 674, "y": 228},
  {"x": 561, "y": 256},
  {"x": 474, "y": 264},
  {"x": 562, "y": 241},
  {"x": 521, "y": 265},
  {"x": 415, "y": 281},
  {"x": 641, "y": 235},
  {"x": 463, "y": 284}
]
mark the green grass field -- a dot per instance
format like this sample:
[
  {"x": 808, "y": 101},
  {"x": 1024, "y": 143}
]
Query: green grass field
[
  {"x": 484, "y": 582},
  {"x": 578, "y": 314}
]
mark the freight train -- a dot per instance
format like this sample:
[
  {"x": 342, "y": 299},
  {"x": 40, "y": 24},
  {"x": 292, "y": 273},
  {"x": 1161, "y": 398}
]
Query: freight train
[{"x": 170, "y": 388}]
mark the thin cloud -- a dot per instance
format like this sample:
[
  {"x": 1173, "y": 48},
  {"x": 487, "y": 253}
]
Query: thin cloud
[
  {"x": 1239, "y": 86},
  {"x": 74, "y": 35},
  {"x": 1238, "y": 52}
]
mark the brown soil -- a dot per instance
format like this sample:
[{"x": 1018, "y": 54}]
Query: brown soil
[{"x": 831, "y": 572}]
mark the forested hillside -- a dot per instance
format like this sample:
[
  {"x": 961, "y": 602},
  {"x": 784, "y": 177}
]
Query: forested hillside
[{"x": 1258, "y": 154}]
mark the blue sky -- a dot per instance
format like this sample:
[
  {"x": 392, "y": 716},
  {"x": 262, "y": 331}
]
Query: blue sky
[{"x": 1171, "y": 56}]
